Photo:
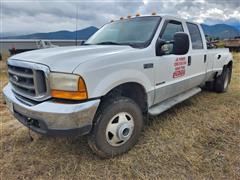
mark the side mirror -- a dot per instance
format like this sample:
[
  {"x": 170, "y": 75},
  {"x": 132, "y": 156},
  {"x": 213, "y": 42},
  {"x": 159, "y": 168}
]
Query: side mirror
[{"x": 181, "y": 43}]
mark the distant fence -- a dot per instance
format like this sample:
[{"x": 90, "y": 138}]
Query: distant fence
[
  {"x": 232, "y": 44},
  {"x": 8, "y": 46}
]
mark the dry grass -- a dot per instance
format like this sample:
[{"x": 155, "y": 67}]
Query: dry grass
[{"x": 197, "y": 139}]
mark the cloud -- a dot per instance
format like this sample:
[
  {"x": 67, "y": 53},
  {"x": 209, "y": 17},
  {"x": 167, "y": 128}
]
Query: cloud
[{"x": 43, "y": 16}]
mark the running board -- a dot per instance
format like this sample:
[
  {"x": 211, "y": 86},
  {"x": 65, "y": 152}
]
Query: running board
[{"x": 165, "y": 105}]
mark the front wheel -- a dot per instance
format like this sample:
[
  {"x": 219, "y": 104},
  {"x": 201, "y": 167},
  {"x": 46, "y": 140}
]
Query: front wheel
[{"x": 117, "y": 127}]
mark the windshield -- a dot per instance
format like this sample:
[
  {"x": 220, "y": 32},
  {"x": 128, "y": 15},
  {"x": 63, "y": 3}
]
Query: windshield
[{"x": 136, "y": 32}]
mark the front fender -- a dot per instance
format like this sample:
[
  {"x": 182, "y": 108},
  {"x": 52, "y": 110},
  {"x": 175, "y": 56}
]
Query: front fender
[{"x": 120, "y": 77}]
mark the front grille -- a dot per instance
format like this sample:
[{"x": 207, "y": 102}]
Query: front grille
[
  {"x": 28, "y": 81},
  {"x": 22, "y": 80}
]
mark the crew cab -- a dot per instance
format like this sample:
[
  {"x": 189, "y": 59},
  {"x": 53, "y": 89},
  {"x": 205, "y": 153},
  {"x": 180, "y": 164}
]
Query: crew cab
[{"x": 128, "y": 70}]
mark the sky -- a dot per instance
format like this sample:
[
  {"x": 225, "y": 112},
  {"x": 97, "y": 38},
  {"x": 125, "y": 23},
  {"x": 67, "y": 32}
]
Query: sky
[{"x": 30, "y": 16}]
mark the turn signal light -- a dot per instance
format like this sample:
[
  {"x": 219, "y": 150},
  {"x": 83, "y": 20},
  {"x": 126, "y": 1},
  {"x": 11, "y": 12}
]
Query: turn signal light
[{"x": 73, "y": 95}]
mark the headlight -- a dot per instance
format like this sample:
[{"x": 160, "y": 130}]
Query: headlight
[{"x": 67, "y": 86}]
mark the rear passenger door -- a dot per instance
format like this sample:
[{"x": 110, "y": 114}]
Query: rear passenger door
[{"x": 197, "y": 59}]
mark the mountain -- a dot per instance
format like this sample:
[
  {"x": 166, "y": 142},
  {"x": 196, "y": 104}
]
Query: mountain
[
  {"x": 82, "y": 34},
  {"x": 223, "y": 31}
]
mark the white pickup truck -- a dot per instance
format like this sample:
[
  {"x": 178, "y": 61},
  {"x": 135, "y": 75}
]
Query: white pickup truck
[{"x": 106, "y": 88}]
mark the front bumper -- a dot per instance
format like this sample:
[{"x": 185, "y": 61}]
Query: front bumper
[{"x": 52, "y": 118}]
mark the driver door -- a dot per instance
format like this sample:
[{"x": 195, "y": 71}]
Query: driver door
[{"x": 170, "y": 69}]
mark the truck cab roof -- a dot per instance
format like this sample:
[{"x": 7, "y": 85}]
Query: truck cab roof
[{"x": 163, "y": 16}]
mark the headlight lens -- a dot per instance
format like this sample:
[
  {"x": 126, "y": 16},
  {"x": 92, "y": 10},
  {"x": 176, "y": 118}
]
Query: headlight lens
[
  {"x": 67, "y": 86},
  {"x": 65, "y": 82}
]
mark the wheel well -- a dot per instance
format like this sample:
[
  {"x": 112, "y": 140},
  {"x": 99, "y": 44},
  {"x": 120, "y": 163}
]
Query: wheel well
[
  {"x": 132, "y": 90},
  {"x": 230, "y": 64}
]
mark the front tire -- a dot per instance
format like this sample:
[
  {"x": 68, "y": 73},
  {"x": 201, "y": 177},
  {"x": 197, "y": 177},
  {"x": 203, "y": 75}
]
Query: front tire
[{"x": 117, "y": 127}]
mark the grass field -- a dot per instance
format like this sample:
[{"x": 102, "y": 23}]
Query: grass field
[{"x": 197, "y": 139}]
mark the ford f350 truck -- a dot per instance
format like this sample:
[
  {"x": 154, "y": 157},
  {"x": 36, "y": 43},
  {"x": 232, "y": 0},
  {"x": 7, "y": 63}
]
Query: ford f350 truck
[{"x": 107, "y": 88}]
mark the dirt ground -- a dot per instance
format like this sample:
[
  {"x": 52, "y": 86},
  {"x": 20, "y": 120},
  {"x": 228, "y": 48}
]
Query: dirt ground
[{"x": 197, "y": 139}]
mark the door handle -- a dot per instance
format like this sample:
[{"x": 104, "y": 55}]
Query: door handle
[
  {"x": 189, "y": 60},
  {"x": 205, "y": 58}
]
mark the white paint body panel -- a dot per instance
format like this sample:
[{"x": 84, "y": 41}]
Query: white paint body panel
[{"x": 104, "y": 67}]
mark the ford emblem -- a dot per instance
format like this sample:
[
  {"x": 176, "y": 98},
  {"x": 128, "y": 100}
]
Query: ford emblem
[{"x": 15, "y": 78}]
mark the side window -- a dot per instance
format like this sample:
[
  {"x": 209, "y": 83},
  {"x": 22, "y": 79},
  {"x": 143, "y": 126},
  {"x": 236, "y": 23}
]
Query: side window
[
  {"x": 195, "y": 36},
  {"x": 168, "y": 34}
]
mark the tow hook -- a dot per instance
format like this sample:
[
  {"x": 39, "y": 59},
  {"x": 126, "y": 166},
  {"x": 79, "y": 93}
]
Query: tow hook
[{"x": 29, "y": 123}]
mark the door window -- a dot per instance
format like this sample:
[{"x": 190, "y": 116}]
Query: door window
[
  {"x": 170, "y": 29},
  {"x": 195, "y": 36}
]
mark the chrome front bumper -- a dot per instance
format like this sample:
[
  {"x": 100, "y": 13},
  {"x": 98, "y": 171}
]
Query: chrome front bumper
[{"x": 53, "y": 118}]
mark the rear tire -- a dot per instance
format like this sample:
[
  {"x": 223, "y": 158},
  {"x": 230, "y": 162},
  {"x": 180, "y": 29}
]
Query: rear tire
[
  {"x": 117, "y": 127},
  {"x": 221, "y": 82}
]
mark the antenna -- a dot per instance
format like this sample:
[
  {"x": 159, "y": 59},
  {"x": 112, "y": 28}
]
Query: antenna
[{"x": 76, "y": 25}]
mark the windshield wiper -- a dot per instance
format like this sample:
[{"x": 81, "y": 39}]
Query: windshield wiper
[
  {"x": 108, "y": 43},
  {"x": 85, "y": 44},
  {"x": 115, "y": 43}
]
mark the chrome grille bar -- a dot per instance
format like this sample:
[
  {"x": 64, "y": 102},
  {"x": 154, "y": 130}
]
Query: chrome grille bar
[
  {"x": 12, "y": 72},
  {"x": 23, "y": 85}
]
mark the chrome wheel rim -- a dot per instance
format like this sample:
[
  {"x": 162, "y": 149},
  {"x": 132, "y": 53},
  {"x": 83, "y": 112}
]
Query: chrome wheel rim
[
  {"x": 226, "y": 81},
  {"x": 119, "y": 129}
]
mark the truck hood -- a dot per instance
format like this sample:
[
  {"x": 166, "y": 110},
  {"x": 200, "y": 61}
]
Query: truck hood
[{"x": 66, "y": 59}]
